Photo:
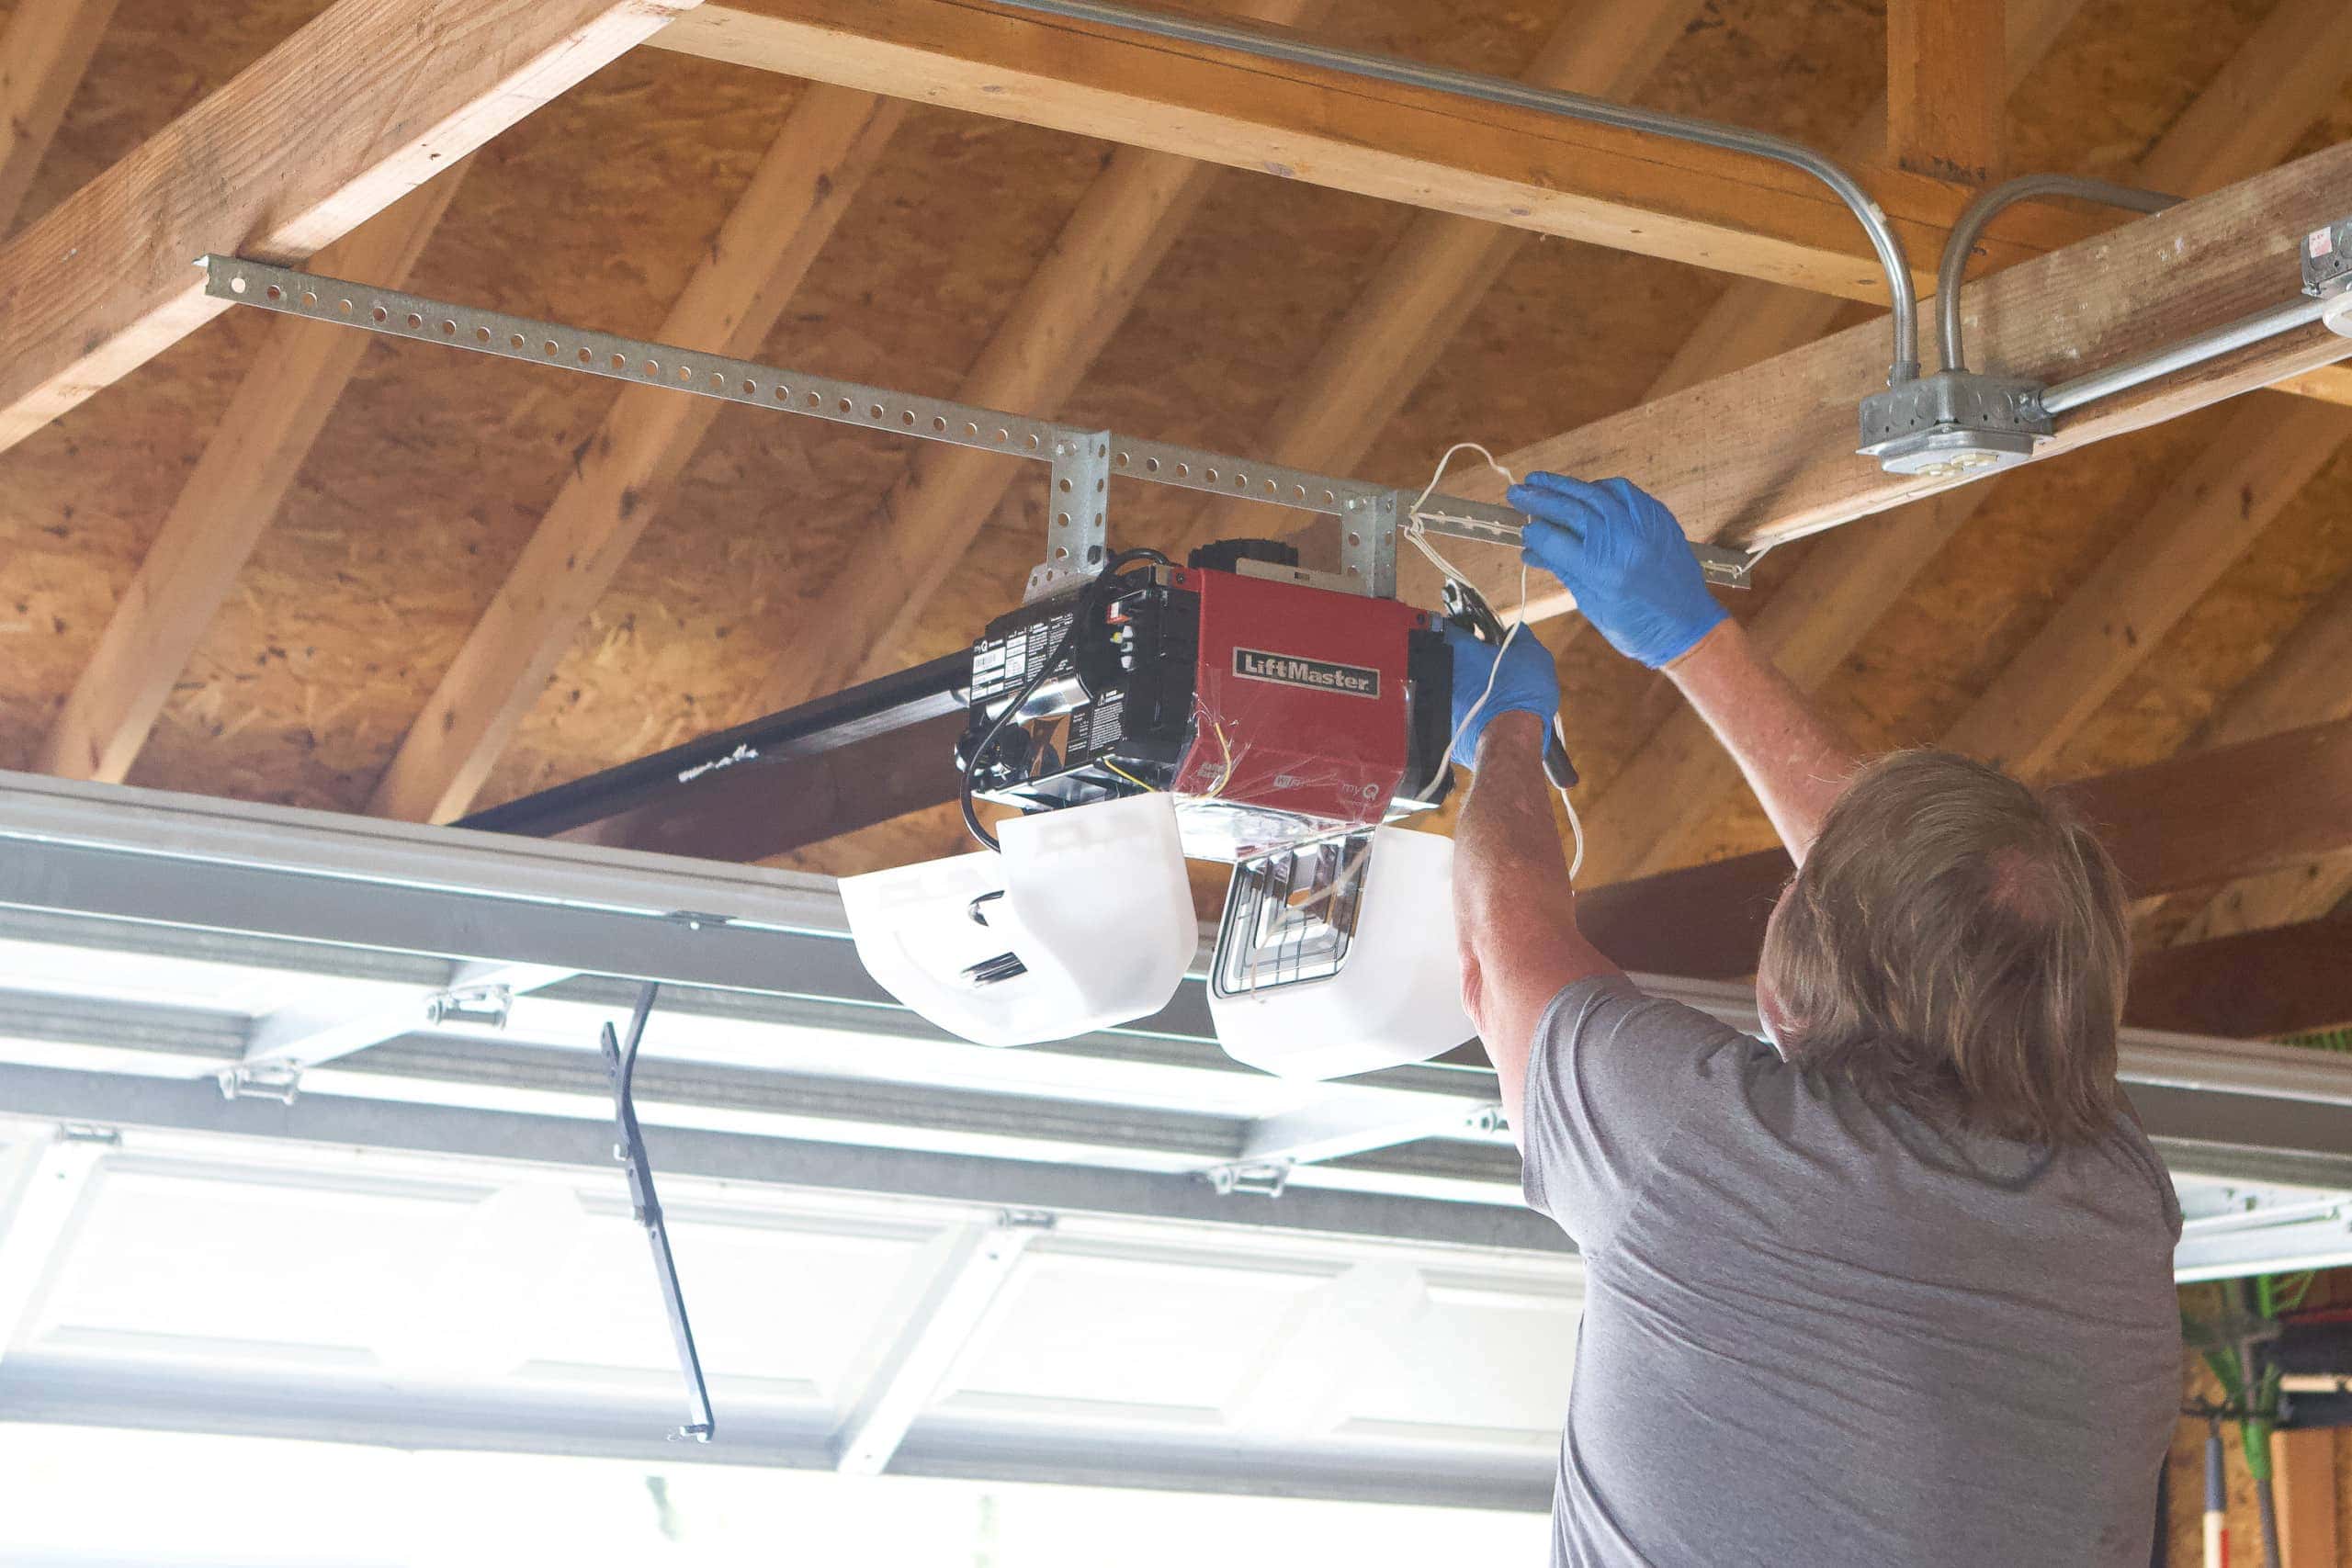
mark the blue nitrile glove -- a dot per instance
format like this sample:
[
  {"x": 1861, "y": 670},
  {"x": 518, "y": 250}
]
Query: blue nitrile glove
[
  {"x": 1527, "y": 682},
  {"x": 1620, "y": 551}
]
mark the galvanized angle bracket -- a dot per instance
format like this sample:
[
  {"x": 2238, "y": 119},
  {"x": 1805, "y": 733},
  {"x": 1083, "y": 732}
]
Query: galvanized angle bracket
[{"x": 1262, "y": 1179}]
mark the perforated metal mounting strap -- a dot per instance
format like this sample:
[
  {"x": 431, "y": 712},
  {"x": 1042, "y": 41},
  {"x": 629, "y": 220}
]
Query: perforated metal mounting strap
[{"x": 1368, "y": 561}]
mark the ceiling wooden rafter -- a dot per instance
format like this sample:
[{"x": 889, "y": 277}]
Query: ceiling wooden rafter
[
  {"x": 357, "y": 108},
  {"x": 825, "y": 153},
  {"x": 265, "y": 436},
  {"x": 43, "y": 53}
]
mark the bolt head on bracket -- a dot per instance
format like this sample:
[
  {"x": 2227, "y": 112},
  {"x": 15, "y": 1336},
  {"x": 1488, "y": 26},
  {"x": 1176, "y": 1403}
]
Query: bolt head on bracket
[{"x": 1954, "y": 423}]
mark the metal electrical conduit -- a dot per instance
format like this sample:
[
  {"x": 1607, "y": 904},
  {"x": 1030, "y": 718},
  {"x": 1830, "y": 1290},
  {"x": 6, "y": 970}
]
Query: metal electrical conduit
[
  {"x": 1981, "y": 212},
  {"x": 2128, "y": 372},
  {"x": 1568, "y": 106},
  {"x": 2055, "y": 399}
]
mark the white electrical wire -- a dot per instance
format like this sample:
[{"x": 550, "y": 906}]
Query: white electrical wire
[{"x": 1416, "y": 530}]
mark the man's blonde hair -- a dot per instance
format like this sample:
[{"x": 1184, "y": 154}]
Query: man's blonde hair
[{"x": 1957, "y": 940}]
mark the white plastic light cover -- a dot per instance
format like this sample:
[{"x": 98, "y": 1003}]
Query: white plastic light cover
[
  {"x": 1093, "y": 903},
  {"x": 1397, "y": 996}
]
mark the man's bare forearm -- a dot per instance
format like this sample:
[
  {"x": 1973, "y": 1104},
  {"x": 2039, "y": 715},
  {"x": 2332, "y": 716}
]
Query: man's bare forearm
[
  {"x": 1793, "y": 757},
  {"x": 1506, "y": 855},
  {"x": 1514, "y": 908}
]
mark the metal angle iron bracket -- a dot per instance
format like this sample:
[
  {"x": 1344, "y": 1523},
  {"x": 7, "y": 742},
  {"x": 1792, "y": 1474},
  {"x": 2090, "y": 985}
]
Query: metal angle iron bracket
[
  {"x": 1368, "y": 562},
  {"x": 1261, "y": 1178},
  {"x": 1077, "y": 504},
  {"x": 482, "y": 1006},
  {"x": 278, "y": 1082}
]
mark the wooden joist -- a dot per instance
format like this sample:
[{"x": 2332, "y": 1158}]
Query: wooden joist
[
  {"x": 2187, "y": 822},
  {"x": 829, "y": 142},
  {"x": 2308, "y": 679},
  {"x": 1514, "y": 166},
  {"x": 1434, "y": 277},
  {"x": 2162, "y": 565},
  {"x": 364, "y": 104},
  {"x": 2230, "y": 811},
  {"x": 2293, "y": 979},
  {"x": 1645, "y": 818},
  {"x": 1066, "y": 312},
  {"x": 265, "y": 434},
  {"x": 43, "y": 53},
  {"x": 1945, "y": 87}
]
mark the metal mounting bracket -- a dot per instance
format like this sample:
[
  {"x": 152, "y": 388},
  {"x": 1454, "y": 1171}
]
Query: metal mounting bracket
[
  {"x": 487, "y": 1006},
  {"x": 1368, "y": 543},
  {"x": 1078, "y": 500},
  {"x": 1954, "y": 423},
  {"x": 2327, "y": 273},
  {"x": 1262, "y": 1179},
  {"x": 278, "y": 1081}
]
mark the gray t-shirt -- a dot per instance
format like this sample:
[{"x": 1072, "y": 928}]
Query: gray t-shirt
[{"x": 1821, "y": 1332}]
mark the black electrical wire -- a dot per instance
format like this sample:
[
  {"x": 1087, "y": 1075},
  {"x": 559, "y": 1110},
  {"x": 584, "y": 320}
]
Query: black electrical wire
[{"x": 1089, "y": 599}]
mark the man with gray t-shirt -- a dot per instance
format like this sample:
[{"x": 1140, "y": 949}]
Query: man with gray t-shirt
[{"x": 1896, "y": 1289}]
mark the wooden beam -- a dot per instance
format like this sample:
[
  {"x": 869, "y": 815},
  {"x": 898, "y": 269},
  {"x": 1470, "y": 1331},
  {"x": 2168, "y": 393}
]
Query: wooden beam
[
  {"x": 2306, "y": 679},
  {"x": 2302, "y": 1461},
  {"x": 830, "y": 143},
  {"x": 265, "y": 435},
  {"x": 1752, "y": 321},
  {"x": 1646, "y": 819},
  {"x": 2151, "y": 577},
  {"x": 2191, "y": 821},
  {"x": 366, "y": 102},
  {"x": 1510, "y": 165},
  {"x": 1075, "y": 300},
  {"x": 2252, "y": 986},
  {"x": 1434, "y": 277},
  {"x": 2309, "y": 679},
  {"x": 1945, "y": 87},
  {"x": 43, "y": 53},
  {"x": 2185, "y": 822},
  {"x": 1767, "y": 454},
  {"x": 2247, "y": 119},
  {"x": 2259, "y": 106}
]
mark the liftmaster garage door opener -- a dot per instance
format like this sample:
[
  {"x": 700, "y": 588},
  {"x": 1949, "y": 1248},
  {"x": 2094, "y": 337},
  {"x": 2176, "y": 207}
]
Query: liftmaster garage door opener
[{"x": 1236, "y": 707}]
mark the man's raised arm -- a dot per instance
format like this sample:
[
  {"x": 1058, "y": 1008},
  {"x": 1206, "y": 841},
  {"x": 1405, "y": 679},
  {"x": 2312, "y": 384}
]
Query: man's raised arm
[
  {"x": 1514, "y": 910},
  {"x": 1617, "y": 548}
]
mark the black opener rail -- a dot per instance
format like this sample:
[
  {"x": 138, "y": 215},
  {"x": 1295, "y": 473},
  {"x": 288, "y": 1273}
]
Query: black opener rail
[{"x": 680, "y": 780}]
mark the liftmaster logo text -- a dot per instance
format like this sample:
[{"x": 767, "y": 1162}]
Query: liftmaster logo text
[{"x": 1353, "y": 680}]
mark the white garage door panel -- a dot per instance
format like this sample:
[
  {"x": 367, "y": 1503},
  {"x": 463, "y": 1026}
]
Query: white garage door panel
[
  {"x": 1473, "y": 1364},
  {"x": 257, "y": 1268},
  {"x": 1172, "y": 1341}
]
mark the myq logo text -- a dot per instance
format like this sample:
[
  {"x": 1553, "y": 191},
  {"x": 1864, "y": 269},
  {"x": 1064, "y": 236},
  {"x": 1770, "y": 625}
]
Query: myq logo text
[{"x": 1317, "y": 674}]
